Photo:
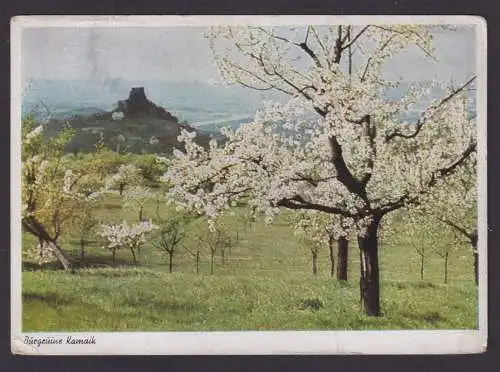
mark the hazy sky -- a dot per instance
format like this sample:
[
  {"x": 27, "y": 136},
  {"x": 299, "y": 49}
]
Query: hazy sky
[{"x": 182, "y": 54}]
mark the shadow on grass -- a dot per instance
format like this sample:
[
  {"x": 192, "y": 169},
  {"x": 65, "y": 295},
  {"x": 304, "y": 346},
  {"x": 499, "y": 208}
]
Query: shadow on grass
[
  {"x": 429, "y": 317},
  {"x": 111, "y": 206},
  {"x": 99, "y": 261},
  {"x": 418, "y": 285},
  {"x": 168, "y": 306},
  {"x": 31, "y": 266},
  {"x": 88, "y": 242},
  {"x": 89, "y": 262},
  {"x": 50, "y": 298},
  {"x": 121, "y": 272}
]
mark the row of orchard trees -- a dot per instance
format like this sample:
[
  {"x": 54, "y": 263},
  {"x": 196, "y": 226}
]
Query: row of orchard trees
[
  {"x": 451, "y": 208},
  {"x": 358, "y": 159},
  {"x": 60, "y": 192},
  {"x": 338, "y": 150}
]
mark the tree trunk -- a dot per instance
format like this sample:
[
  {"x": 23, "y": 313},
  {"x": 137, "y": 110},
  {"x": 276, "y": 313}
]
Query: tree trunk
[
  {"x": 61, "y": 256},
  {"x": 343, "y": 249},
  {"x": 223, "y": 258},
  {"x": 170, "y": 259},
  {"x": 197, "y": 262},
  {"x": 113, "y": 256},
  {"x": 476, "y": 267},
  {"x": 314, "y": 262},
  {"x": 332, "y": 257},
  {"x": 158, "y": 208},
  {"x": 212, "y": 263},
  {"x": 82, "y": 249},
  {"x": 40, "y": 249},
  {"x": 38, "y": 230},
  {"x": 446, "y": 267},
  {"x": 422, "y": 266},
  {"x": 140, "y": 213},
  {"x": 369, "y": 273},
  {"x": 122, "y": 187},
  {"x": 133, "y": 256},
  {"x": 473, "y": 239}
]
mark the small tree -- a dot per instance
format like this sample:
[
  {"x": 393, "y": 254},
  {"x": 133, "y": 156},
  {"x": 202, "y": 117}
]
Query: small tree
[
  {"x": 136, "y": 198},
  {"x": 151, "y": 167},
  {"x": 50, "y": 196},
  {"x": 462, "y": 216},
  {"x": 443, "y": 251},
  {"x": 127, "y": 175},
  {"x": 125, "y": 236},
  {"x": 312, "y": 229},
  {"x": 103, "y": 161},
  {"x": 417, "y": 222},
  {"x": 324, "y": 229},
  {"x": 87, "y": 222},
  {"x": 218, "y": 238},
  {"x": 84, "y": 220},
  {"x": 244, "y": 220},
  {"x": 195, "y": 254},
  {"x": 454, "y": 204},
  {"x": 170, "y": 235}
]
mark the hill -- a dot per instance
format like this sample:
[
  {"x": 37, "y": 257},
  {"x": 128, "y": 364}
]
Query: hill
[{"x": 136, "y": 125}]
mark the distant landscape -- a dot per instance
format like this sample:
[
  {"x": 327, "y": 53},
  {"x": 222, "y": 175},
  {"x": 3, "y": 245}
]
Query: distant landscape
[
  {"x": 348, "y": 203},
  {"x": 200, "y": 104}
]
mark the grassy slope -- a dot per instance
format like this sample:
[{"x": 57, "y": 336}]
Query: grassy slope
[{"x": 263, "y": 285}]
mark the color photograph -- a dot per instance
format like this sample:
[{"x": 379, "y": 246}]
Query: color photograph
[{"x": 241, "y": 176}]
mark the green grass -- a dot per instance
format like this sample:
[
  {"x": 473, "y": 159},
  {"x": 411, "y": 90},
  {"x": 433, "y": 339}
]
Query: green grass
[{"x": 266, "y": 284}]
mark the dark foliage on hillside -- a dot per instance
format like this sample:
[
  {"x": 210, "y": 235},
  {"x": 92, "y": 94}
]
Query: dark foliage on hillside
[{"x": 136, "y": 125}]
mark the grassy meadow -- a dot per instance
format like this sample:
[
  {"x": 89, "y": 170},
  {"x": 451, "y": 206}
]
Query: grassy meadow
[{"x": 265, "y": 283}]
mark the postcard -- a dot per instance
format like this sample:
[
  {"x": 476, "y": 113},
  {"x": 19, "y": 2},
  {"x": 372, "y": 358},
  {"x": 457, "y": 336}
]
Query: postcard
[{"x": 248, "y": 185}]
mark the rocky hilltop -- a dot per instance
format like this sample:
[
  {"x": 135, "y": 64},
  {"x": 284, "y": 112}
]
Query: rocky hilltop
[
  {"x": 136, "y": 124},
  {"x": 137, "y": 104}
]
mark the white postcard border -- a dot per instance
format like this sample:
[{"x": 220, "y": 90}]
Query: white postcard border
[{"x": 247, "y": 342}]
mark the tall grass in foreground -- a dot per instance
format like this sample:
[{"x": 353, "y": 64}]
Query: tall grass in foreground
[{"x": 265, "y": 283}]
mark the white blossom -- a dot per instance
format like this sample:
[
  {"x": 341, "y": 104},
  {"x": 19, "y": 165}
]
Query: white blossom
[
  {"x": 394, "y": 150},
  {"x": 125, "y": 235},
  {"x": 38, "y": 131}
]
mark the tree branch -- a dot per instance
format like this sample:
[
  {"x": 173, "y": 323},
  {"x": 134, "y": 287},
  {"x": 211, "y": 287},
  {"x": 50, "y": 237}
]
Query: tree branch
[
  {"x": 344, "y": 175},
  {"x": 312, "y": 181},
  {"x": 442, "y": 172},
  {"x": 297, "y": 202},
  {"x": 424, "y": 117},
  {"x": 427, "y": 53},
  {"x": 355, "y": 38},
  {"x": 397, "y": 204},
  {"x": 337, "y": 51},
  {"x": 405, "y": 199},
  {"x": 302, "y": 45},
  {"x": 36, "y": 228},
  {"x": 460, "y": 229}
]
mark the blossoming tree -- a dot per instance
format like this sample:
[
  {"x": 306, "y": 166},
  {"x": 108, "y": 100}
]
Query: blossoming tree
[
  {"x": 359, "y": 157},
  {"x": 128, "y": 174},
  {"x": 51, "y": 196},
  {"x": 317, "y": 227},
  {"x": 137, "y": 197},
  {"x": 454, "y": 203},
  {"x": 123, "y": 235}
]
